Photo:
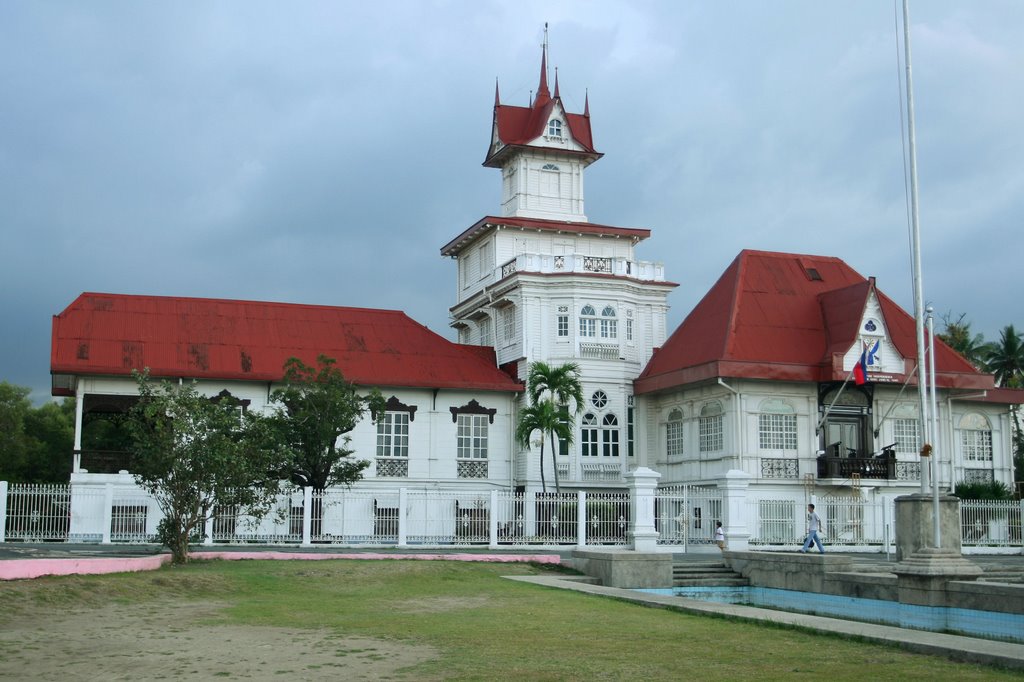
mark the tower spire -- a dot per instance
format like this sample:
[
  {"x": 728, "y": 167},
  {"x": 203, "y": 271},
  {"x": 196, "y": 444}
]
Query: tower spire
[
  {"x": 497, "y": 99},
  {"x": 543, "y": 95},
  {"x": 556, "y": 83}
]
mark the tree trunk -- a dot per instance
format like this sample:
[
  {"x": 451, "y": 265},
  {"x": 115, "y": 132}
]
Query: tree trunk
[
  {"x": 554, "y": 462},
  {"x": 543, "y": 484}
]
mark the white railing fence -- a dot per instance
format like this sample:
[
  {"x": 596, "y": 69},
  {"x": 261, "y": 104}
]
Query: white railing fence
[
  {"x": 684, "y": 517},
  {"x": 991, "y": 523}
]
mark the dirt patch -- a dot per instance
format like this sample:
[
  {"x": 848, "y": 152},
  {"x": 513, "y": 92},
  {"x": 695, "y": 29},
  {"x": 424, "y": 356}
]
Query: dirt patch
[{"x": 170, "y": 641}]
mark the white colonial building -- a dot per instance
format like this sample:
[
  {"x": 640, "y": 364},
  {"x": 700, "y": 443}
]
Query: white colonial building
[{"x": 756, "y": 384}]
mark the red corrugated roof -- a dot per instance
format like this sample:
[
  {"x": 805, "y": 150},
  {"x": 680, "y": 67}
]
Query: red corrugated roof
[
  {"x": 456, "y": 245},
  {"x": 786, "y": 317},
  {"x": 112, "y": 334}
]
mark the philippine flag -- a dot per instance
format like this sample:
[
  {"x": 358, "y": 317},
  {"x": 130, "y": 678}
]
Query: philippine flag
[{"x": 860, "y": 370}]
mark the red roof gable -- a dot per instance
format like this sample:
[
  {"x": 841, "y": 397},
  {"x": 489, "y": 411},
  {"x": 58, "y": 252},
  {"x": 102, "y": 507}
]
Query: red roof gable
[
  {"x": 112, "y": 334},
  {"x": 786, "y": 317},
  {"x": 519, "y": 126}
]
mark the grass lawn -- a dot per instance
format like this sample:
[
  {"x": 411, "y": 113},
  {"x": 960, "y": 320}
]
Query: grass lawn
[{"x": 453, "y": 620}]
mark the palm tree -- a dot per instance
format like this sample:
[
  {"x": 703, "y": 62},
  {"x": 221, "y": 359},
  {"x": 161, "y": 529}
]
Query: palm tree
[
  {"x": 546, "y": 418},
  {"x": 560, "y": 387},
  {"x": 957, "y": 335},
  {"x": 1005, "y": 358}
]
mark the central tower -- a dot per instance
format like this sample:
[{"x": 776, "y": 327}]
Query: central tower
[
  {"x": 541, "y": 282},
  {"x": 541, "y": 151}
]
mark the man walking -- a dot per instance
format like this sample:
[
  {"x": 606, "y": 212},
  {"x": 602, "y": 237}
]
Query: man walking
[{"x": 814, "y": 525}]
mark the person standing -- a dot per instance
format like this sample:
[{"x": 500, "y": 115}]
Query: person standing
[
  {"x": 814, "y": 526},
  {"x": 719, "y": 536}
]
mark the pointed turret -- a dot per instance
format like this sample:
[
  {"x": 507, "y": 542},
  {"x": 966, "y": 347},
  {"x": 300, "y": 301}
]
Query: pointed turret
[
  {"x": 543, "y": 96},
  {"x": 557, "y": 96}
]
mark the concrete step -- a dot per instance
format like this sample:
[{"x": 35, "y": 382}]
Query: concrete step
[
  {"x": 711, "y": 582},
  {"x": 705, "y": 574}
]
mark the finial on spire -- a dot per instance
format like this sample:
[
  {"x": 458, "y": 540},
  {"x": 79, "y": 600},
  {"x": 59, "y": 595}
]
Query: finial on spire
[{"x": 543, "y": 95}]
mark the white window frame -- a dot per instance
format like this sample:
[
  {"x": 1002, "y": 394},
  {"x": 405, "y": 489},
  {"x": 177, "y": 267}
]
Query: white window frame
[
  {"x": 609, "y": 323},
  {"x": 588, "y": 322},
  {"x": 776, "y": 426},
  {"x": 588, "y": 436},
  {"x": 471, "y": 436},
  {"x": 711, "y": 427},
  {"x": 393, "y": 435},
  {"x": 674, "y": 434},
  {"x": 610, "y": 436}
]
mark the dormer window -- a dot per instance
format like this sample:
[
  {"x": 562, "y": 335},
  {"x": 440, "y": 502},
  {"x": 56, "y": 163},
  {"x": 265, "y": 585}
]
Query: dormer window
[{"x": 555, "y": 128}]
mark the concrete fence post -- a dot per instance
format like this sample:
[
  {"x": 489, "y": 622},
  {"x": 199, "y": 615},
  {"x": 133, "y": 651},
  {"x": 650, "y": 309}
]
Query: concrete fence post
[
  {"x": 108, "y": 513},
  {"x": 581, "y": 518},
  {"x": 3, "y": 511},
  {"x": 208, "y": 529},
  {"x": 403, "y": 502},
  {"x": 734, "y": 507},
  {"x": 307, "y": 516},
  {"x": 642, "y": 534},
  {"x": 492, "y": 522}
]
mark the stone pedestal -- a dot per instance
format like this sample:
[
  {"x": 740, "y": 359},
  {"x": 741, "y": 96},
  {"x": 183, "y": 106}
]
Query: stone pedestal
[
  {"x": 922, "y": 578},
  {"x": 923, "y": 571},
  {"x": 914, "y": 527}
]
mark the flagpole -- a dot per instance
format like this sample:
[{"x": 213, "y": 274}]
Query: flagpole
[{"x": 922, "y": 381}]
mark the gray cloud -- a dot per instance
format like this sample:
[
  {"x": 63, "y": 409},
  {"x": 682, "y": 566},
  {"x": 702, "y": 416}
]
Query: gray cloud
[{"x": 323, "y": 153}]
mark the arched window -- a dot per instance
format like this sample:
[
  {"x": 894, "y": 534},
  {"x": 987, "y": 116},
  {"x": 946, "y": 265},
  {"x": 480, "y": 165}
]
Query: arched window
[
  {"x": 776, "y": 425},
  {"x": 610, "y": 436},
  {"x": 554, "y": 128},
  {"x": 609, "y": 325},
  {"x": 588, "y": 321},
  {"x": 674, "y": 434},
  {"x": 588, "y": 436},
  {"x": 550, "y": 167},
  {"x": 975, "y": 438},
  {"x": 711, "y": 427}
]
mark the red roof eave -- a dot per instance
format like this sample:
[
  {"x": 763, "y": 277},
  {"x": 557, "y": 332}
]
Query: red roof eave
[{"x": 453, "y": 247}]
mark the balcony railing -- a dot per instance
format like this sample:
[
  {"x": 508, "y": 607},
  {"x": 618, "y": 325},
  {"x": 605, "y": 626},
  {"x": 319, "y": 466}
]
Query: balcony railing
[
  {"x": 103, "y": 461},
  {"x": 548, "y": 263},
  {"x": 780, "y": 468},
  {"x": 883, "y": 468}
]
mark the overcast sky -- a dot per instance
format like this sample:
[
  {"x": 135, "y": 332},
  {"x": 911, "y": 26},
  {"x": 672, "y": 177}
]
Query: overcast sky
[{"x": 324, "y": 152}]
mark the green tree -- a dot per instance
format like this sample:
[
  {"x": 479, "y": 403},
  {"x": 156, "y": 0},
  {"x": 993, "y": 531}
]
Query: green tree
[
  {"x": 957, "y": 335},
  {"x": 193, "y": 453},
  {"x": 560, "y": 386},
  {"x": 317, "y": 408},
  {"x": 546, "y": 418},
  {"x": 14, "y": 444},
  {"x": 1005, "y": 358},
  {"x": 51, "y": 432},
  {"x": 35, "y": 442}
]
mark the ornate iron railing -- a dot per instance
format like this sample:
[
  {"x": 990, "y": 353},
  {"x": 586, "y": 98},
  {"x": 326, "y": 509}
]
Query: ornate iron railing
[
  {"x": 780, "y": 468},
  {"x": 865, "y": 467}
]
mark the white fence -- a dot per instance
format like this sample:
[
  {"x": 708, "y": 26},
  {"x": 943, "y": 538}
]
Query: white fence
[
  {"x": 684, "y": 517},
  {"x": 402, "y": 517}
]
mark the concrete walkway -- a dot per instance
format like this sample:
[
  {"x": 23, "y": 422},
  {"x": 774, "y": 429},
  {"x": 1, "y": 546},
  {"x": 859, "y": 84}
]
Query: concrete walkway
[{"x": 968, "y": 649}]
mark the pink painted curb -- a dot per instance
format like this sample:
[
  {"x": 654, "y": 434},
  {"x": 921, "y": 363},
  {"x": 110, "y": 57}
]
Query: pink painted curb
[{"x": 26, "y": 569}]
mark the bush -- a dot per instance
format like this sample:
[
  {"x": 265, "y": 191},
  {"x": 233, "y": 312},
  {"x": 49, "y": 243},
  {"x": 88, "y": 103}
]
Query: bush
[{"x": 990, "y": 490}]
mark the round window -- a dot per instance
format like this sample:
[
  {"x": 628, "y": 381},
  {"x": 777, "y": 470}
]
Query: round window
[{"x": 599, "y": 399}]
